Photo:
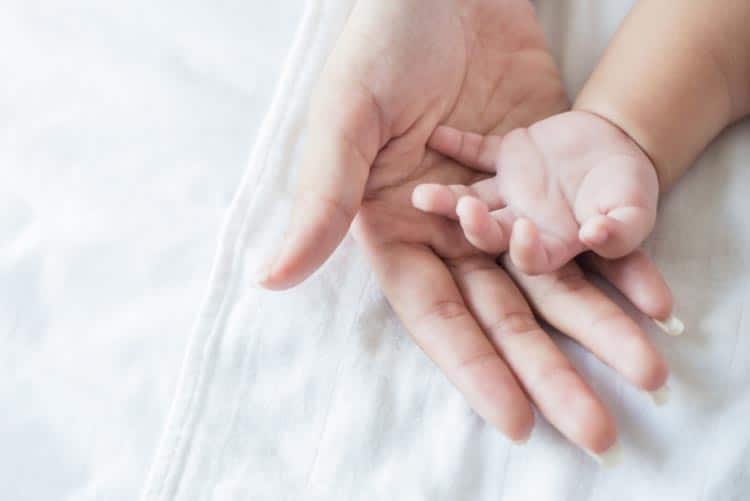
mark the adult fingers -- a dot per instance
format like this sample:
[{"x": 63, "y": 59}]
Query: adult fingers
[
  {"x": 638, "y": 279},
  {"x": 442, "y": 199},
  {"x": 424, "y": 295},
  {"x": 542, "y": 369},
  {"x": 481, "y": 228},
  {"x": 571, "y": 304}
]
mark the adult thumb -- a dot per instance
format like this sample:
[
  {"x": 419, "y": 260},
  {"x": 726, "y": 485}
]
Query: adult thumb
[{"x": 344, "y": 135}]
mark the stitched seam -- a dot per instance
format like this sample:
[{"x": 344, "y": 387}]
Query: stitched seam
[
  {"x": 253, "y": 348},
  {"x": 174, "y": 456}
]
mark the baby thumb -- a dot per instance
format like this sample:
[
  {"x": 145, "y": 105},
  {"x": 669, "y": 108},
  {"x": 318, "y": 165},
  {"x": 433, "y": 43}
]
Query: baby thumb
[{"x": 617, "y": 233}]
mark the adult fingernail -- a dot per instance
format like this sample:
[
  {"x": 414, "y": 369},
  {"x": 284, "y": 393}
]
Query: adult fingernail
[
  {"x": 660, "y": 396},
  {"x": 609, "y": 458},
  {"x": 672, "y": 325}
]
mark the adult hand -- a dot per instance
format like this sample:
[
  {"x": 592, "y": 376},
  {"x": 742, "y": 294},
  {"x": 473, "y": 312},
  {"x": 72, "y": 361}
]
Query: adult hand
[{"x": 401, "y": 68}]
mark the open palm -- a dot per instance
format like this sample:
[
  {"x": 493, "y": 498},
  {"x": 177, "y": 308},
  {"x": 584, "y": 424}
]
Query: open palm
[{"x": 400, "y": 69}]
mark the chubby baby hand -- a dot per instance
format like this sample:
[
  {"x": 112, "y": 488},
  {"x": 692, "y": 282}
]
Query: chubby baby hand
[{"x": 570, "y": 183}]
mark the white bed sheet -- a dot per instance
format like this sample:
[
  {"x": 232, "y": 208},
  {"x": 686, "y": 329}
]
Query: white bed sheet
[
  {"x": 119, "y": 174},
  {"x": 334, "y": 402},
  {"x": 124, "y": 131}
]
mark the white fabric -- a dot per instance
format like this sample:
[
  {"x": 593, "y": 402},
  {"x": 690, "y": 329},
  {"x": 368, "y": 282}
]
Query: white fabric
[
  {"x": 316, "y": 393},
  {"x": 124, "y": 132}
]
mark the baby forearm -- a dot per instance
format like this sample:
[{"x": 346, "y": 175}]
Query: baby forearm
[{"x": 673, "y": 77}]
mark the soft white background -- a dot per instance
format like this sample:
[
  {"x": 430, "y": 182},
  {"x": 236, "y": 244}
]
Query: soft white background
[{"x": 124, "y": 129}]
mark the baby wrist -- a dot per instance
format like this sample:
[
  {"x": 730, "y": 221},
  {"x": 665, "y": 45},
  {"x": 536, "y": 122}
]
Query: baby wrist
[
  {"x": 670, "y": 143},
  {"x": 631, "y": 129}
]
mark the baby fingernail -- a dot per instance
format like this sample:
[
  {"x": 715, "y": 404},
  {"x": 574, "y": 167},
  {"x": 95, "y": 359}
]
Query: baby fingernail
[
  {"x": 609, "y": 458},
  {"x": 672, "y": 325},
  {"x": 418, "y": 198},
  {"x": 660, "y": 396}
]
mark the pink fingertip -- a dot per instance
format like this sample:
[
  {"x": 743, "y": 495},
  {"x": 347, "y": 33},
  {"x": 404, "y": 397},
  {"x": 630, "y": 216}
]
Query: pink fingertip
[
  {"x": 470, "y": 210},
  {"x": 420, "y": 197},
  {"x": 594, "y": 234},
  {"x": 462, "y": 209},
  {"x": 465, "y": 205}
]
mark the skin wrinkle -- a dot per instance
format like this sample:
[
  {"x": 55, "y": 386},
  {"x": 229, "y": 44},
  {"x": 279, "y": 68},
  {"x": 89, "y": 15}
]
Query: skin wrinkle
[
  {"x": 461, "y": 249},
  {"x": 564, "y": 283},
  {"x": 662, "y": 187},
  {"x": 388, "y": 156},
  {"x": 478, "y": 360},
  {"x": 549, "y": 188},
  {"x": 383, "y": 121},
  {"x": 469, "y": 265},
  {"x": 444, "y": 310},
  {"x": 421, "y": 166},
  {"x": 527, "y": 92},
  {"x": 499, "y": 84},
  {"x": 553, "y": 372},
  {"x": 559, "y": 101},
  {"x": 607, "y": 317},
  {"x": 514, "y": 323},
  {"x": 345, "y": 212},
  {"x": 520, "y": 99}
]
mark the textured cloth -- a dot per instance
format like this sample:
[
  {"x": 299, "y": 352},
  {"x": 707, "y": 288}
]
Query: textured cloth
[
  {"x": 317, "y": 393},
  {"x": 125, "y": 127},
  {"x": 123, "y": 133}
]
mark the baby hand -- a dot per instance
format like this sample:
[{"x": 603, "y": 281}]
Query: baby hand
[{"x": 567, "y": 184}]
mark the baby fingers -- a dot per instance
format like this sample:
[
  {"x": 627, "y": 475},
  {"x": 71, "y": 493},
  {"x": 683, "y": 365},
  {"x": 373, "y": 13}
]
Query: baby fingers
[
  {"x": 486, "y": 231},
  {"x": 536, "y": 253},
  {"x": 436, "y": 199},
  {"x": 471, "y": 149},
  {"x": 618, "y": 233},
  {"x": 442, "y": 199}
]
